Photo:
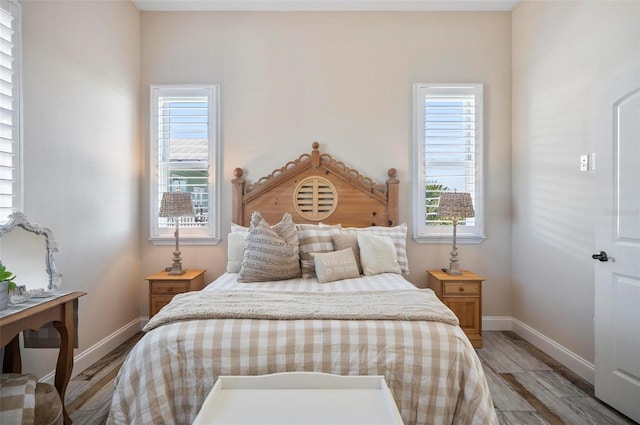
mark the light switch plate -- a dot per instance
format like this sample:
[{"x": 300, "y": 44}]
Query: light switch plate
[{"x": 584, "y": 162}]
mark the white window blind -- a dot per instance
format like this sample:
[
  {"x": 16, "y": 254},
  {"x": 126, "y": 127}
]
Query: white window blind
[
  {"x": 10, "y": 172},
  {"x": 448, "y": 155},
  {"x": 184, "y": 152}
]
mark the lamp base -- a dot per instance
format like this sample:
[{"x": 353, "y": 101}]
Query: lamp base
[
  {"x": 452, "y": 272},
  {"x": 454, "y": 266},
  {"x": 176, "y": 267},
  {"x": 175, "y": 271}
]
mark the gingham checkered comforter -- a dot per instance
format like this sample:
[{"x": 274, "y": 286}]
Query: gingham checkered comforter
[{"x": 430, "y": 367}]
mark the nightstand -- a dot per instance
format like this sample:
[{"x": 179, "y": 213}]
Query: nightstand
[
  {"x": 463, "y": 295},
  {"x": 162, "y": 287}
]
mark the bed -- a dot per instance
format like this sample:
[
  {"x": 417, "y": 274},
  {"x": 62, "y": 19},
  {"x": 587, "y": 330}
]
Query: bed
[{"x": 332, "y": 314}]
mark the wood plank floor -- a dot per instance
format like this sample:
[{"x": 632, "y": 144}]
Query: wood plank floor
[{"x": 527, "y": 387}]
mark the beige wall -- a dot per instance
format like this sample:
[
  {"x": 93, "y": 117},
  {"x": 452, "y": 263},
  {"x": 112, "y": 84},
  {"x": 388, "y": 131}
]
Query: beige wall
[
  {"x": 345, "y": 80},
  {"x": 81, "y": 155},
  {"x": 561, "y": 51},
  {"x": 288, "y": 79}
]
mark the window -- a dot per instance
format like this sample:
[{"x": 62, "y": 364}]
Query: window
[
  {"x": 447, "y": 156},
  {"x": 185, "y": 157},
  {"x": 10, "y": 160}
]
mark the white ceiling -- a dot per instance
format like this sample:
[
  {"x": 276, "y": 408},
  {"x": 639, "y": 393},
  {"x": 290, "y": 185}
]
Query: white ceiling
[{"x": 325, "y": 5}]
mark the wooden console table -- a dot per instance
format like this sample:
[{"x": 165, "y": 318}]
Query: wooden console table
[{"x": 58, "y": 310}]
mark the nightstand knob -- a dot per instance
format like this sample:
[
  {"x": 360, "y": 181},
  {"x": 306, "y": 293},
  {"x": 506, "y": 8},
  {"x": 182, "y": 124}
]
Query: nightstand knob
[{"x": 461, "y": 289}]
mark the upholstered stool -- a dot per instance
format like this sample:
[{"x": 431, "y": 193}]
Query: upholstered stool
[
  {"x": 24, "y": 400},
  {"x": 48, "y": 409}
]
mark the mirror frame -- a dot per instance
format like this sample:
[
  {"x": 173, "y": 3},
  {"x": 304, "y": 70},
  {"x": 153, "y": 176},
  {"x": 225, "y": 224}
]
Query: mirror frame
[{"x": 19, "y": 219}]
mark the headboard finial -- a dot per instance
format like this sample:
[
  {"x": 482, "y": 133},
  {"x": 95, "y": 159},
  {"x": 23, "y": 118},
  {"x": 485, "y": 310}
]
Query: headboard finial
[
  {"x": 236, "y": 195},
  {"x": 315, "y": 155},
  {"x": 392, "y": 196}
]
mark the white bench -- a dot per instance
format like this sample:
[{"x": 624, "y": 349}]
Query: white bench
[{"x": 299, "y": 398}]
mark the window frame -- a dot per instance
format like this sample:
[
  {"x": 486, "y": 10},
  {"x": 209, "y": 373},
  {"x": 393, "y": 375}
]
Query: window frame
[
  {"x": 209, "y": 235},
  {"x": 422, "y": 233},
  {"x": 17, "y": 140}
]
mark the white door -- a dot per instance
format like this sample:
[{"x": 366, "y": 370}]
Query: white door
[{"x": 617, "y": 286}]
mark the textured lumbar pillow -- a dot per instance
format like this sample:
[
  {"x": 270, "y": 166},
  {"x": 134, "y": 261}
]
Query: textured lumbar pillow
[
  {"x": 377, "y": 254},
  {"x": 270, "y": 253},
  {"x": 336, "y": 265}
]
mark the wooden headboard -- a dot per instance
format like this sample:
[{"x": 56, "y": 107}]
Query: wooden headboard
[{"x": 313, "y": 188}]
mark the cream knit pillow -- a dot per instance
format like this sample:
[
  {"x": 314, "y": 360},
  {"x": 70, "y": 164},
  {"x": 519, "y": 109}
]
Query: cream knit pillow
[
  {"x": 398, "y": 235},
  {"x": 377, "y": 254}
]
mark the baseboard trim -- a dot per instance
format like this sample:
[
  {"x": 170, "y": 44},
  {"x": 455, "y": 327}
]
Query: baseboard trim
[
  {"x": 100, "y": 349},
  {"x": 582, "y": 367},
  {"x": 497, "y": 323},
  {"x": 585, "y": 369}
]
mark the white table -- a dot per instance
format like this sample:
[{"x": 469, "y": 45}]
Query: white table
[{"x": 301, "y": 398}]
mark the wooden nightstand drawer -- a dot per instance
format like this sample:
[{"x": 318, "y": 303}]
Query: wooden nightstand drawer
[
  {"x": 163, "y": 287},
  {"x": 457, "y": 288},
  {"x": 171, "y": 288},
  {"x": 159, "y": 301}
]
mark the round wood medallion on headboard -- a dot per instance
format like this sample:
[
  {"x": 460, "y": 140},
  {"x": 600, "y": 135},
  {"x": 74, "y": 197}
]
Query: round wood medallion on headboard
[{"x": 315, "y": 198}]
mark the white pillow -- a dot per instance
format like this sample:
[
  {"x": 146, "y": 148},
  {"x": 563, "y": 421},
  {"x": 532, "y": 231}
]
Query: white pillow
[
  {"x": 235, "y": 250},
  {"x": 398, "y": 235},
  {"x": 335, "y": 265},
  {"x": 377, "y": 254},
  {"x": 236, "y": 228}
]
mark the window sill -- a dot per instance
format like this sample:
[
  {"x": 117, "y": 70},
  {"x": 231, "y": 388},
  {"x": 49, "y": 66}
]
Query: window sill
[
  {"x": 184, "y": 240},
  {"x": 460, "y": 239}
]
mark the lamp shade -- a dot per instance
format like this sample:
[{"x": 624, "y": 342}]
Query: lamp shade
[
  {"x": 455, "y": 205},
  {"x": 176, "y": 204}
]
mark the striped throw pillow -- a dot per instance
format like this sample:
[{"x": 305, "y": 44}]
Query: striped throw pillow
[
  {"x": 270, "y": 253},
  {"x": 314, "y": 238}
]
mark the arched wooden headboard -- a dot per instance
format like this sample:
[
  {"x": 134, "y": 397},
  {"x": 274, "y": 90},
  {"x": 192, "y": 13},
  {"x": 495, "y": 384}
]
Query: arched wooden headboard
[{"x": 313, "y": 188}]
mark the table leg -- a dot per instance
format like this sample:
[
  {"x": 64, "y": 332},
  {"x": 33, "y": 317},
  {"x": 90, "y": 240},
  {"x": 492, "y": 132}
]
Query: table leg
[
  {"x": 12, "y": 362},
  {"x": 65, "y": 357}
]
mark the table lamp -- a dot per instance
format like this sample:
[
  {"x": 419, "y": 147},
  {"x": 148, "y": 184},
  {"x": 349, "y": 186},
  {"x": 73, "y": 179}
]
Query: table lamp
[
  {"x": 455, "y": 206},
  {"x": 175, "y": 205}
]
